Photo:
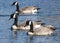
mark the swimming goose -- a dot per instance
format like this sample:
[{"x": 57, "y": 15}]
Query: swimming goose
[
  {"x": 42, "y": 30},
  {"x": 34, "y": 28},
  {"x": 26, "y": 10},
  {"x": 21, "y": 26}
]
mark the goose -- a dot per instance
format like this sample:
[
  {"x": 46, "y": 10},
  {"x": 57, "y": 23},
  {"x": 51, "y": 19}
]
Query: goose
[
  {"x": 41, "y": 30},
  {"x": 21, "y": 26},
  {"x": 26, "y": 10}
]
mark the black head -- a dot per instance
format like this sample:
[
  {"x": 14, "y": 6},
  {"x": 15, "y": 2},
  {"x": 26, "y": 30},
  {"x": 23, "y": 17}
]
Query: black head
[
  {"x": 13, "y": 16},
  {"x": 31, "y": 26},
  {"x": 14, "y": 3},
  {"x": 28, "y": 22}
]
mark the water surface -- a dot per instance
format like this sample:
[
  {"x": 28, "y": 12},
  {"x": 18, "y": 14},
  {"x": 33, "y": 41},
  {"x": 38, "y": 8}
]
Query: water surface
[{"x": 49, "y": 14}]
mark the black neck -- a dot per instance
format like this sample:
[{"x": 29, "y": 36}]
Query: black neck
[
  {"x": 15, "y": 20},
  {"x": 31, "y": 27},
  {"x": 17, "y": 7}
]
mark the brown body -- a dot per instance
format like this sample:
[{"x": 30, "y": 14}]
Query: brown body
[{"x": 28, "y": 10}]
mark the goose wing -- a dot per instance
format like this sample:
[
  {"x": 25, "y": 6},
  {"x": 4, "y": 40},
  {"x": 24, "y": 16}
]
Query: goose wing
[
  {"x": 43, "y": 30},
  {"x": 28, "y": 8},
  {"x": 21, "y": 25}
]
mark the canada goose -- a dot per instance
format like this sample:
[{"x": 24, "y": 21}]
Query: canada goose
[
  {"x": 26, "y": 10},
  {"x": 42, "y": 30},
  {"x": 21, "y": 26}
]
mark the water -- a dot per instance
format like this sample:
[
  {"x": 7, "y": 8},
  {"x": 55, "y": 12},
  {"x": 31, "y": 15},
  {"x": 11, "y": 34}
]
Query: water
[{"x": 49, "y": 14}]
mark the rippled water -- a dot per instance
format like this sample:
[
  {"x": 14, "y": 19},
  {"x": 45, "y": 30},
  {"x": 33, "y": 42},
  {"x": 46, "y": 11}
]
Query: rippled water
[{"x": 49, "y": 14}]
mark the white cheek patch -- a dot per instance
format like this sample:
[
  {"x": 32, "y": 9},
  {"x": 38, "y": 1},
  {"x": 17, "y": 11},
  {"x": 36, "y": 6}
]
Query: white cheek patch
[
  {"x": 14, "y": 16},
  {"x": 16, "y": 3},
  {"x": 29, "y": 22}
]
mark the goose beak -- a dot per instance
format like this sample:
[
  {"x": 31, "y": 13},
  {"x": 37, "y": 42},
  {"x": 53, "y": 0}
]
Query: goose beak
[
  {"x": 9, "y": 19},
  {"x": 11, "y": 16},
  {"x": 13, "y": 3}
]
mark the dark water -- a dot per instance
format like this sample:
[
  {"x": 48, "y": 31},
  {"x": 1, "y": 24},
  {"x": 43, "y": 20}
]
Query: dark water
[{"x": 49, "y": 14}]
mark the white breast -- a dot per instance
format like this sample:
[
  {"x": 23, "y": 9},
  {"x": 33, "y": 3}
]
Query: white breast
[
  {"x": 14, "y": 27},
  {"x": 30, "y": 33},
  {"x": 14, "y": 16}
]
